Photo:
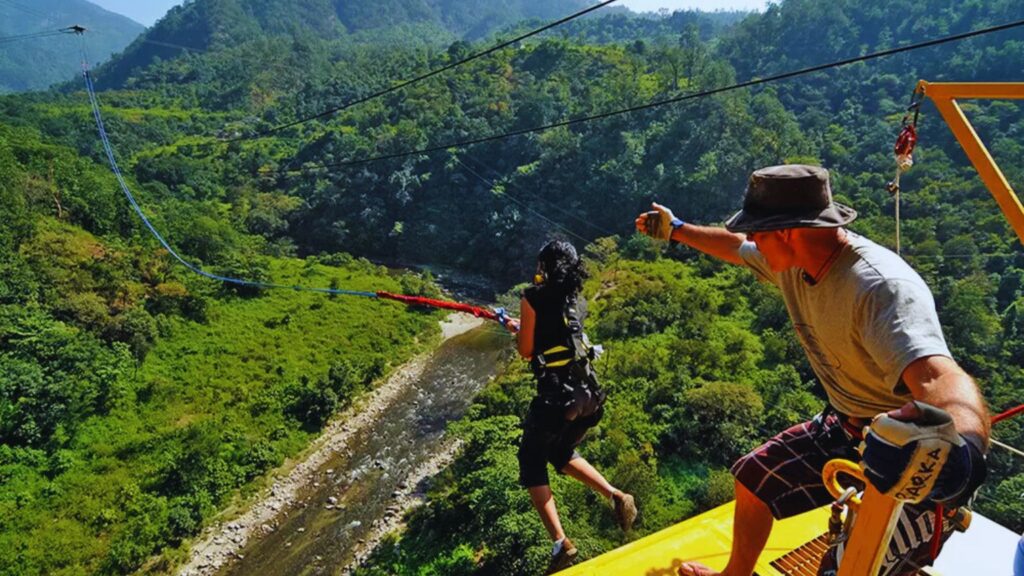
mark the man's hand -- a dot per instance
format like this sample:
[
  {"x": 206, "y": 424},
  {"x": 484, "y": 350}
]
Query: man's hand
[
  {"x": 915, "y": 453},
  {"x": 658, "y": 223}
]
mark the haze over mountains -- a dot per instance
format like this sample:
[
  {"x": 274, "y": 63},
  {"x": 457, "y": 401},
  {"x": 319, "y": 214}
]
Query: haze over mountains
[{"x": 34, "y": 64}]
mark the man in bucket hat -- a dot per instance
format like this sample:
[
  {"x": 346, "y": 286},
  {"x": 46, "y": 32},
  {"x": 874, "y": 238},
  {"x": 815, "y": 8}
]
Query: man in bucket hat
[{"x": 868, "y": 324}]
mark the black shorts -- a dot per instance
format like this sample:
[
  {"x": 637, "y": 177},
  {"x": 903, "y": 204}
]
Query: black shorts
[
  {"x": 549, "y": 438},
  {"x": 785, "y": 474}
]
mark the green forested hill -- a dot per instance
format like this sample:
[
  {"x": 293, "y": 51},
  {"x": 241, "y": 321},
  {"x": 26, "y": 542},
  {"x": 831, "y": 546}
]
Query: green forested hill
[
  {"x": 219, "y": 24},
  {"x": 98, "y": 327},
  {"x": 35, "y": 64}
]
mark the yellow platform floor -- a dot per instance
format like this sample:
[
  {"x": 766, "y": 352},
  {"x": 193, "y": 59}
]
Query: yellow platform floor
[
  {"x": 707, "y": 538},
  {"x": 794, "y": 548}
]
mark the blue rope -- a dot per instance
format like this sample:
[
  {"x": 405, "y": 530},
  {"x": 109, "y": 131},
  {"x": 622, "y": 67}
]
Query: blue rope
[{"x": 94, "y": 101}]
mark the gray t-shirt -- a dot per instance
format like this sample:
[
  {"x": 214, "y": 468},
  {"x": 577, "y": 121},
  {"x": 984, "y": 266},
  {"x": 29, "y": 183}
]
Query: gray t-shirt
[{"x": 861, "y": 325}]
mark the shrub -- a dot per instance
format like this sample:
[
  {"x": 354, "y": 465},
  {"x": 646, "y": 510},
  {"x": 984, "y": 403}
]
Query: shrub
[{"x": 310, "y": 402}]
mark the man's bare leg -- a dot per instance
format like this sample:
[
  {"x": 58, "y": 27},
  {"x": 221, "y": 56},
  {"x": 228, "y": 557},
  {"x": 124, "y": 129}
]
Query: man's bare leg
[
  {"x": 752, "y": 523},
  {"x": 544, "y": 503}
]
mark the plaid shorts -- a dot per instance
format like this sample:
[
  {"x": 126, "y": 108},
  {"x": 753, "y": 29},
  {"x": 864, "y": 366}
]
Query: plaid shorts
[
  {"x": 785, "y": 471},
  {"x": 785, "y": 474}
]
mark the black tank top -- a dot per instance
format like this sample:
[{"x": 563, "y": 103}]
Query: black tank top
[{"x": 549, "y": 304}]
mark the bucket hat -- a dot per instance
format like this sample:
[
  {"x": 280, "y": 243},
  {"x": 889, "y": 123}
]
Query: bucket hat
[{"x": 789, "y": 196}]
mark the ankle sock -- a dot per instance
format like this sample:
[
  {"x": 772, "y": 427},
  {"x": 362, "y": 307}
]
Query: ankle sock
[{"x": 557, "y": 547}]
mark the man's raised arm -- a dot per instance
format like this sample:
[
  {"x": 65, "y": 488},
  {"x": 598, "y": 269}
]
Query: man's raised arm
[{"x": 660, "y": 223}]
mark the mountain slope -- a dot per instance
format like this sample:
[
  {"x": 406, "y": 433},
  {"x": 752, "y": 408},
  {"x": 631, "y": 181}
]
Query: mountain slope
[
  {"x": 206, "y": 25},
  {"x": 34, "y": 64}
]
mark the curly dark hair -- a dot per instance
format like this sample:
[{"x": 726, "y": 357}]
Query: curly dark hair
[{"x": 563, "y": 269}]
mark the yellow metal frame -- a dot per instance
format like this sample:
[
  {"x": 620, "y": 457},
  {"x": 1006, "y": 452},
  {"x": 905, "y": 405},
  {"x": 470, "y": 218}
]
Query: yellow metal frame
[
  {"x": 878, "y": 513},
  {"x": 945, "y": 96}
]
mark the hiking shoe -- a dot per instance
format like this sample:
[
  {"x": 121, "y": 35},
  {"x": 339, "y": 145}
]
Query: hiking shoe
[
  {"x": 565, "y": 557},
  {"x": 625, "y": 510}
]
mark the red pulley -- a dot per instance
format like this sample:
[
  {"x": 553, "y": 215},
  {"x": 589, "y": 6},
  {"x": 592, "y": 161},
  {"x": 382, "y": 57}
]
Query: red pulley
[{"x": 906, "y": 141}]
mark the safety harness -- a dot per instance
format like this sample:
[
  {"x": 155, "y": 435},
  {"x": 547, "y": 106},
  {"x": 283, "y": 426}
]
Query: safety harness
[{"x": 580, "y": 392}]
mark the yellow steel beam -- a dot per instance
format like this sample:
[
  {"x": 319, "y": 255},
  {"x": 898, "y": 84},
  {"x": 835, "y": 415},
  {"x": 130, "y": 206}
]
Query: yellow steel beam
[
  {"x": 945, "y": 96},
  {"x": 974, "y": 90},
  {"x": 875, "y": 522}
]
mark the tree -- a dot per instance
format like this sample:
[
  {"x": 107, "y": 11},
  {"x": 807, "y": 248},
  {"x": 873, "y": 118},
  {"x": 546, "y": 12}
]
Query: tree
[{"x": 717, "y": 422}]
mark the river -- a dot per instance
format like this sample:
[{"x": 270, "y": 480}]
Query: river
[{"x": 358, "y": 489}]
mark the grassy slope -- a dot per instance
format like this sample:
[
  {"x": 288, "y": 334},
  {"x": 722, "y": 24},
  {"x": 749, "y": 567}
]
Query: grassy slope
[{"x": 213, "y": 384}]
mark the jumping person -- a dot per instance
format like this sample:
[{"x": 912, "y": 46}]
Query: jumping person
[
  {"x": 569, "y": 400},
  {"x": 868, "y": 324}
]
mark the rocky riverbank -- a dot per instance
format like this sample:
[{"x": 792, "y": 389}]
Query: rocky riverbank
[{"x": 223, "y": 542}]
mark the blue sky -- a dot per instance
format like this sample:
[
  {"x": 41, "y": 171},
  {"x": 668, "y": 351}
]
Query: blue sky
[{"x": 149, "y": 11}]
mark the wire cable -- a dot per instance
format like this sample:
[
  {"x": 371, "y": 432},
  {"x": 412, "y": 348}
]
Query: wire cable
[
  {"x": 965, "y": 256},
  {"x": 549, "y": 203},
  {"x": 32, "y": 36},
  {"x": 425, "y": 76},
  {"x": 108, "y": 149},
  {"x": 1006, "y": 447},
  {"x": 666, "y": 102},
  {"x": 163, "y": 44},
  {"x": 524, "y": 205},
  {"x": 104, "y": 137},
  {"x": 1005, "y": 415}
]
